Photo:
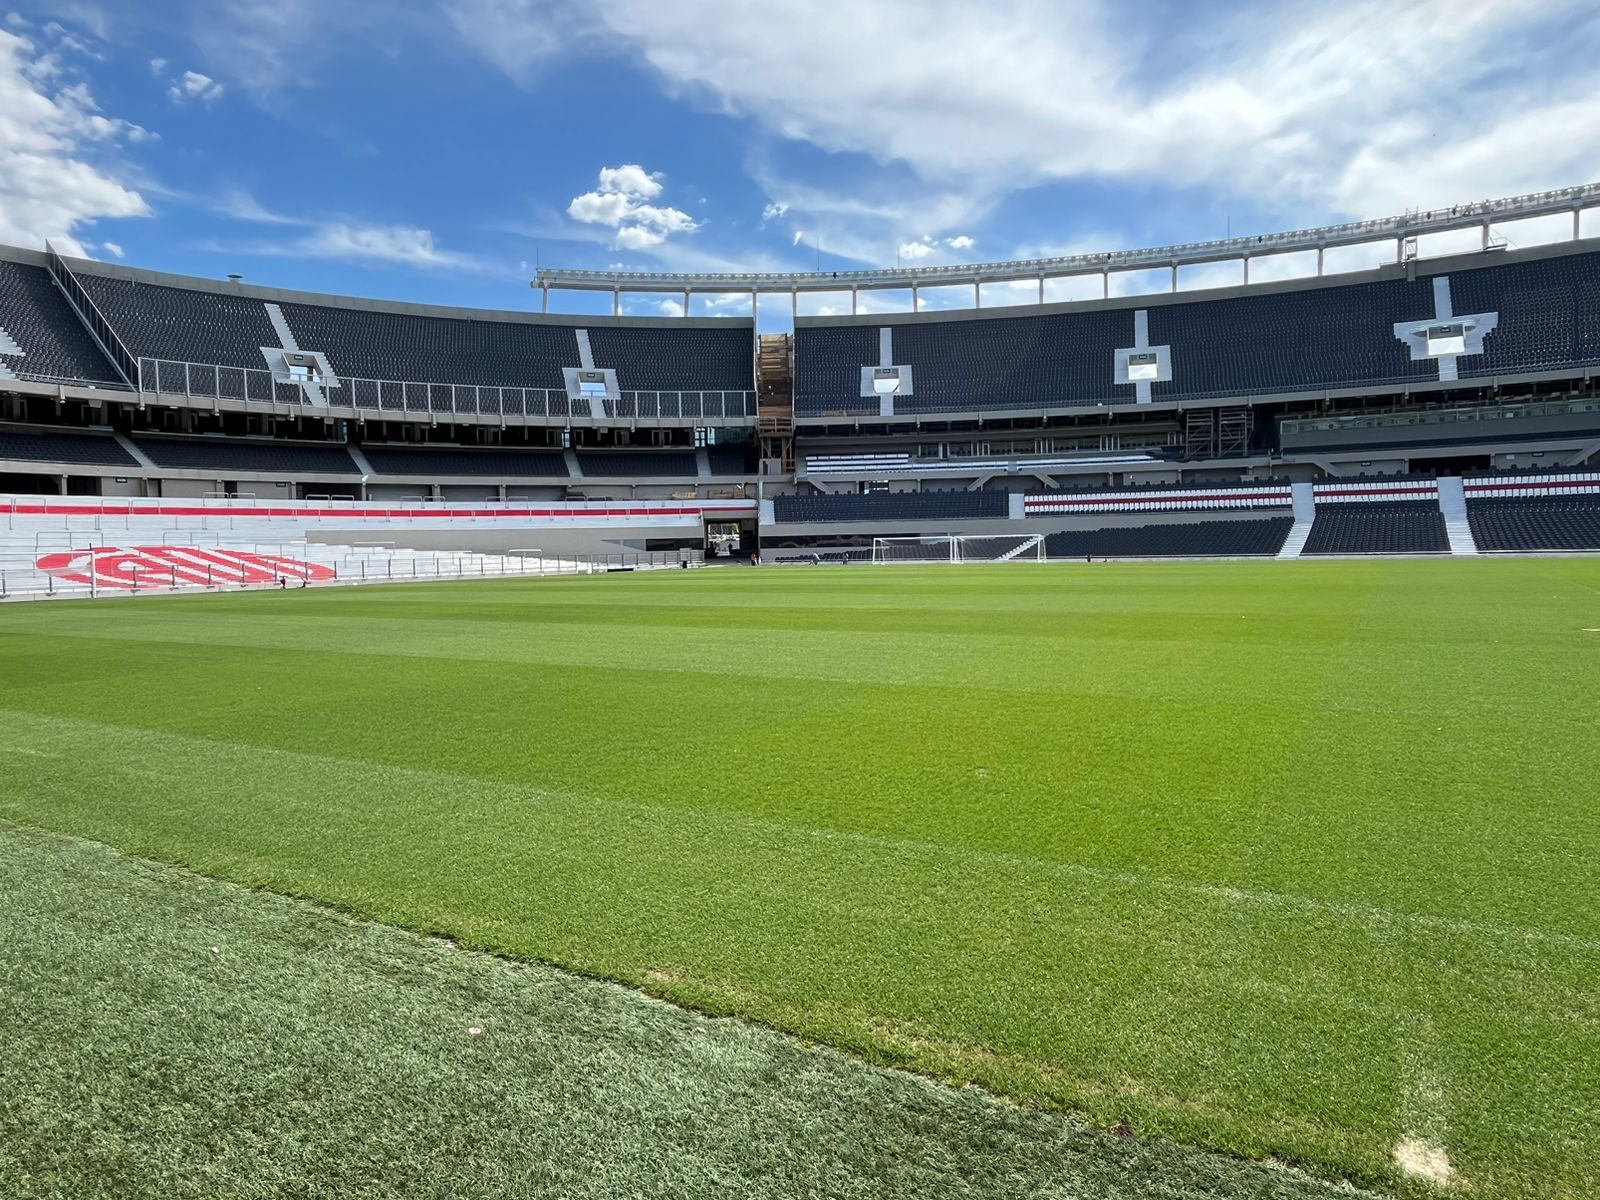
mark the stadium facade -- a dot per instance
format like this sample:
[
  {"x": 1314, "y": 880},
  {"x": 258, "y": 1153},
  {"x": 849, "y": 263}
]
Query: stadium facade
[{"x": 1430, "y": 405}]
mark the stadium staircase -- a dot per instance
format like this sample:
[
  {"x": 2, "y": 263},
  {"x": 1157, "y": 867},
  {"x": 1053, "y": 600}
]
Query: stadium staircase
[
  {"x": 1453, "y": 504},
  {"x": 1305, "y": 514}
]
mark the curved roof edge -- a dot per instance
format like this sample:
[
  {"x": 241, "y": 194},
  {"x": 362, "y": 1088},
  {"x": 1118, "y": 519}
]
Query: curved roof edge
[
  {"x": 1482, "y": 213},
  {"x": 1444, "y": 264}
]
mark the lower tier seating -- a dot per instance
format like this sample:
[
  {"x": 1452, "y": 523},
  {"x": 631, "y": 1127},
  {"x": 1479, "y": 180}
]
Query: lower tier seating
[
  {"x": 99, "y": 449},
  {"x": 1209, "y": 539},
  {"x": 271, "y": 457},
  {"x": 1398, "y": 527},
  {"x": 399, "y": 460},
  {"x": 602, "y": 464},
  {"x": 891, "y": 506},
  {"x": 1564, "y": 523}
]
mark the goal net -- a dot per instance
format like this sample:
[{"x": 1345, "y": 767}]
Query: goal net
[{"x": 952, "y": 548}]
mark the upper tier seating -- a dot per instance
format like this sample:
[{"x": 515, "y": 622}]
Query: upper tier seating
[
  {"x": 268, "y": 456},
  {"x": 597, "y": 464},
  {"x": 1536, "y": 523},
  {"x": 368, "y": 344},
  {"x": 1308, "y": 339},
  {"x": 54, "y": 342},
  {"x": 181, "y": 324},
  {"x": 1378, "y": 527},
  {"x": 433, "y": 460},
  {"x": 891, "y": 506},
  {"x": 691, "y": 359},
  {"x": 1549, "y": 313},
  {"x": 99, "y": 449},
  {"x": 1209, "y": 539}
]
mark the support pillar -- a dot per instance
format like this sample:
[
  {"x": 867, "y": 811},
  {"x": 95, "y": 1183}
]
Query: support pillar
[
  {"x": 1319, "y": 261},
  {"x": 1247, "y": 268},
  {"x": 1174, "y": 276},
  {"x": 977, "y": 295},
  {"x": 1041, "y": 289},
  {"x": 686, "y": 302},
  {"x": 916, "y": 305},
  {"x": 616, "y": 302},
  {"x": 1399, "y": 249},
  {"x": 794, "y": 303},
  {"x": 855, "y": 295},
  {"x": 1485, "y": 243},
  {"x": 545, "y": 306},
  {"x": 1575, "y": 213},
  {"x": 1105, "y": 285}
]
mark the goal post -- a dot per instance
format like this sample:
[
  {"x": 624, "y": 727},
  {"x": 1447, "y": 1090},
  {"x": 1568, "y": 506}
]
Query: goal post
[{"x": 955, "y": 548}]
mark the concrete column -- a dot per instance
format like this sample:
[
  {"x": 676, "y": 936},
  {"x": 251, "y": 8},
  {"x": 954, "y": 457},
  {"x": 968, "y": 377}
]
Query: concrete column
[
  {"x": 616, "y": 302},
  {"x": 916, "y": 305},
  {"x": 753, "y": 303},
  {"x": 1485, "y": 244},
  {"x": 855, "y": 295},
  {"x": 1575, "y": 213},
  {"x": 1105, "y": 285},
  {"x": 1247, "y": 268},
  {"x": 686, "y": 302},
  {"x": 1041, "y": 289},
  {"x": 1174, "y": 276},
  {"x": 1399, "y": 249},
  {"x": 794, "y": 303},
  {"x": 977, "y": 295},
  {"x": 1319, "y": 260},
  {"x": 545, "y": 306}
]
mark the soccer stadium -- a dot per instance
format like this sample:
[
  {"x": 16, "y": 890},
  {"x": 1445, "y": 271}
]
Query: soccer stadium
[{"x": 1139, "y": 744}]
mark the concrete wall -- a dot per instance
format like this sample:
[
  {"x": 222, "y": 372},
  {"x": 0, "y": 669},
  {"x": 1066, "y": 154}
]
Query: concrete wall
[{"x": 556, "y": 542}]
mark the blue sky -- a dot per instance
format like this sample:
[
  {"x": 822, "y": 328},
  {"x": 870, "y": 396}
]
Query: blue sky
[{"x": 438, "y": 150}]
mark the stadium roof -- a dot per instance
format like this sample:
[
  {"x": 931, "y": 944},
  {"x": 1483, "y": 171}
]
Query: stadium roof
[{"x": 1480, "y": 214}]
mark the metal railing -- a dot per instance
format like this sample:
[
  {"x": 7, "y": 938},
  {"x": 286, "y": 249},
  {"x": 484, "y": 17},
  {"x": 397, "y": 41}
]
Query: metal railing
[
  {"x": 408, "y": 398},
  {"x": 24, "y": 583}
]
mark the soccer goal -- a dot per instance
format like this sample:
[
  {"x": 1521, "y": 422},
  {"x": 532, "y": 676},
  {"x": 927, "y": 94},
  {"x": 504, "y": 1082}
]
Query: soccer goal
[{"x": 953, "y": 548}]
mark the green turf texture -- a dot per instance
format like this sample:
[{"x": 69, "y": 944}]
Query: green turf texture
[
  {"x": 1295, "y": 860},
  {"x": 170, "y": 1036}
]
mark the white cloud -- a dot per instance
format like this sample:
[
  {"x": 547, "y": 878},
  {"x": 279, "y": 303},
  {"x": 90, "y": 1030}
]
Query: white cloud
[
  {"x": 798, "y": 234},
  {"x": 914, "y": 251},
  {"x": 57, "y": 169},
  {"x": 405, "y": 245},
  {"x": 774, "y": 210},
  {"x": 113, "y": 249},
  {"x": 192, "y": 85},
  {"x": 17, "y": 21},
  {"x": 961, "y": 242},
  {"x": 630, "y": 179},
  {"x": 158, "y": 66},
  {"x": 618, "y": 204},
  {"x": 1358, "y": 109}
]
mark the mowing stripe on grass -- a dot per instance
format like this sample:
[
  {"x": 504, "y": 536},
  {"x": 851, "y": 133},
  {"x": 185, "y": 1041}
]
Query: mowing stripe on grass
[{"x": 176, "y": 1038}]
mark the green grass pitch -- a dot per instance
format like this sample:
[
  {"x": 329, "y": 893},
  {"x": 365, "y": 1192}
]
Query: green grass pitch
[{"x": 1298, "y": 861}]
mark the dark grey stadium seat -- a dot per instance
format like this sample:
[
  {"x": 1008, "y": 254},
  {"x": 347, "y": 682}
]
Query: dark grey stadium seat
[
  {"x": 183, "y": 325},
  {"x": 1378, "y": 527},
  {"x": 891, "y": 506},
  {"x": 1306, "y": 339},
  {"x": 1208, "y": 539},
  {"x": 269, "y": 456},
  {"x": 1542, "y": 523},
  {"x": 95, "y": 449},
  {"x": 54, "y": 342},
  {"x": 433, "y": 460},
  {"x": 602, "y": 463}
]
